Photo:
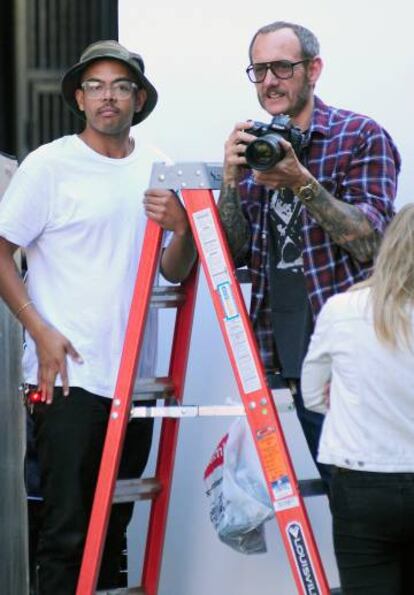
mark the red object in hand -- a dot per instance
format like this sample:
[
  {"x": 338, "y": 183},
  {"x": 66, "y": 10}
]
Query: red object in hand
[{"x": 34, "y": 396}]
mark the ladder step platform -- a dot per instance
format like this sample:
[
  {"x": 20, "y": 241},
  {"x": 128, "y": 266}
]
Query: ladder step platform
[
  {"x": 243, "y": 276},
  {"x": 139, "y": 591},
  {"x": 163, "y": 388},
  {"x": 166, "y": 296},
  {"x": 130, "y": 490},
  {"x": 130, "y": 591},
  {"x": 153, "y": 388},
  {"x": 312, "y": 487},
  {"x": 180, "y": 411}
]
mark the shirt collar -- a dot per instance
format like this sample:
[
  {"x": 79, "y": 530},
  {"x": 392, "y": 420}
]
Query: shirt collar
[{"x": 320, "y": 118}]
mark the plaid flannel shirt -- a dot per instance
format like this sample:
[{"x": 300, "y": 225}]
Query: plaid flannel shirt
[{"x": 356, "y": 161}]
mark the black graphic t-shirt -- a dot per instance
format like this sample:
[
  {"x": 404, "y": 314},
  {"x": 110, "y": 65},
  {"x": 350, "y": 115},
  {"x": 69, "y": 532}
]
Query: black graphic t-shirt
[
  {"x": 291, "y": 314},
  {"x": 287, "y": 230}
]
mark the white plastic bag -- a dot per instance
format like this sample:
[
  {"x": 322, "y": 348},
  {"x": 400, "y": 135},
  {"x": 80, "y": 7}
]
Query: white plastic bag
[{"x": 237, "y": 491}]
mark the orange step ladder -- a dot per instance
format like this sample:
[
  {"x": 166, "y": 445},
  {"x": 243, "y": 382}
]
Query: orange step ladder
[{"x": 195, "y": 181}]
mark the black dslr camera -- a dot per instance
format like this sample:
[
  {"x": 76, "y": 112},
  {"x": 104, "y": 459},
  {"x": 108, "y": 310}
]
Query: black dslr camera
[{"x": 265, "y": 151}]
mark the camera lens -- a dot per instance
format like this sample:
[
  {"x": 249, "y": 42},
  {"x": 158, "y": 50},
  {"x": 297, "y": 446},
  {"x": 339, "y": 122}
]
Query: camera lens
[{"x": 264, "y": 152}]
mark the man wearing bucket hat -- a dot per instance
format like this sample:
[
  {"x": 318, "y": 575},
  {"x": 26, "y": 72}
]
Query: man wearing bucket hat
[
  {"x": 109, "y": 50},
  {"x": 77, "y": 206}
]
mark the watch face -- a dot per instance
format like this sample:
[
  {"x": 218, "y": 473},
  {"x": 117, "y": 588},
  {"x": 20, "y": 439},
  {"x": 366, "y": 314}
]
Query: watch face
[{"x": 308, "y": 191}]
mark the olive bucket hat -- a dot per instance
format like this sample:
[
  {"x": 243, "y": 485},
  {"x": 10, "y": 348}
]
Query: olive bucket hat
[{"x": 108, "y": 50}]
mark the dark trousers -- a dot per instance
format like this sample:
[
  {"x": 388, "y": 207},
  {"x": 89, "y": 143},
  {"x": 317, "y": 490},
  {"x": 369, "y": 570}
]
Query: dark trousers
[
  {"x": 310, "y": 421},
  {"x": 70, "y": 435},
  {"x": 373, "y": 527}
]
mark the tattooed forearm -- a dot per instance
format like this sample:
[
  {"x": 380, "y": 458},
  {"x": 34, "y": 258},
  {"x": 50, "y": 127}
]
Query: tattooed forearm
[
  {"x": 346, "y": 224},
  {"x": 234, "y": 223}
]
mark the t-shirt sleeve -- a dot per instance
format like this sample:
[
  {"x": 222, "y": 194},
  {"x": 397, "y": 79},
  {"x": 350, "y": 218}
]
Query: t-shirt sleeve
[{"x": 25, "y": 206}]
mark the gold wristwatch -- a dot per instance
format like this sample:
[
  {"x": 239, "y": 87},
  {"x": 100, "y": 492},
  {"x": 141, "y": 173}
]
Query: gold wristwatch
[{"x": 308, "y": 191}]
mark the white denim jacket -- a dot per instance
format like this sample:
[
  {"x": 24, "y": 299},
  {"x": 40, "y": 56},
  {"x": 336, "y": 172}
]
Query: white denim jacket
[{"x": 369, "y": 423}]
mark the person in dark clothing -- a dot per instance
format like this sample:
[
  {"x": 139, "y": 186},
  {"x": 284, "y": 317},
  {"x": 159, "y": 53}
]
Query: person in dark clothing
[{"x": 309, "y": 226}]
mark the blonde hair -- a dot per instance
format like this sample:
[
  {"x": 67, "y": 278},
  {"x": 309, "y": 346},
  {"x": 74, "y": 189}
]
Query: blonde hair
[{"x": 392, "y": 282}]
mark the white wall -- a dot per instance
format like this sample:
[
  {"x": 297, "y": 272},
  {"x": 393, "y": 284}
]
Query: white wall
[{"x": 195, "y": 53}]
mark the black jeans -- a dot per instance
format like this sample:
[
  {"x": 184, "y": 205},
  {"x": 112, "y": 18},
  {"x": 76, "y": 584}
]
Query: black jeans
[
  {"x": 373, "y": 527},
  {"x": 310, "y": 421},
  {"x": 70, "y": 435}
]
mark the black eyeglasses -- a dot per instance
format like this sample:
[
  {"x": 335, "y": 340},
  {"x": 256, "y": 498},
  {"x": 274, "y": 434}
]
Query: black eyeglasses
[{"x": 281, "y": 69}]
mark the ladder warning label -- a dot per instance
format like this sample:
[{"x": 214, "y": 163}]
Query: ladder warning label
[
  {"x": 282, "y": 487},
  {"x": 243, "y": 355},
  {"x": 286, "y": 503},
  {"x": 271, "y": 456},
  {"x": 227, "y": 300},
  {"x": 210, "y": 245}
]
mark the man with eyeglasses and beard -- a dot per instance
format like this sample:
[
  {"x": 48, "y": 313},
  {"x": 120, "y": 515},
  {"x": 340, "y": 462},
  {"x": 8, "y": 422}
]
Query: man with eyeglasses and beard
[
  {"x": 309, "y": 226},
  {"x": 79, "y": 206}
]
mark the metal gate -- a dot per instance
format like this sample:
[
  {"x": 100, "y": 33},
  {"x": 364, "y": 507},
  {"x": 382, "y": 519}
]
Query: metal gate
[
  {"x": 13, "y": 523},
  {"x": 50, "y": 35}
]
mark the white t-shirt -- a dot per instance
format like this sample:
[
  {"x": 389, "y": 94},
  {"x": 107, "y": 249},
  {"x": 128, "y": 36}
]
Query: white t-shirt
[{"x": 79, "y": 215}]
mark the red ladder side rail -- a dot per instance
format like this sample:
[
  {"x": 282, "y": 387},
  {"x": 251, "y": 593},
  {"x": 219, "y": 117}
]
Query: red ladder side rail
[
  {"x": 168, "y": 439},
  {"x": 261, "y": 412},
  {"x": 120, "y": 411}
]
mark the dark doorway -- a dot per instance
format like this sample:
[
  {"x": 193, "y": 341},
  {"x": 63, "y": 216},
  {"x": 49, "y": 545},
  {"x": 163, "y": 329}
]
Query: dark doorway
[
  {"x": 40, "y": 39},
  {"x": 49, "y": 37},
  {"x": 7, "y": 86}
]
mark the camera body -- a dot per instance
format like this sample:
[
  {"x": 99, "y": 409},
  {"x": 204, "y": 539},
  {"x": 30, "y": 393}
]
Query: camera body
[{"x": 265, "y": 150}]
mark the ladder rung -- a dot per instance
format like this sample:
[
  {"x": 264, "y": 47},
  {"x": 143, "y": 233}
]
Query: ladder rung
[
  {"x": 243, "y": 276},
  {"x": 188, "y": 411},
  {"x": 148, "y": 388},
  {"x": 167, "y": 296},
  {"x": 312, "y": 487},
  {"x": 130, "y": 591},
  {"x": 129, "y": 490},
  {"x": 179, "y": 411}
]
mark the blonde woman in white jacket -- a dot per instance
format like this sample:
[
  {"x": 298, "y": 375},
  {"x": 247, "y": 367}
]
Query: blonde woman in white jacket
[{"x": 359, "y": 372}]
